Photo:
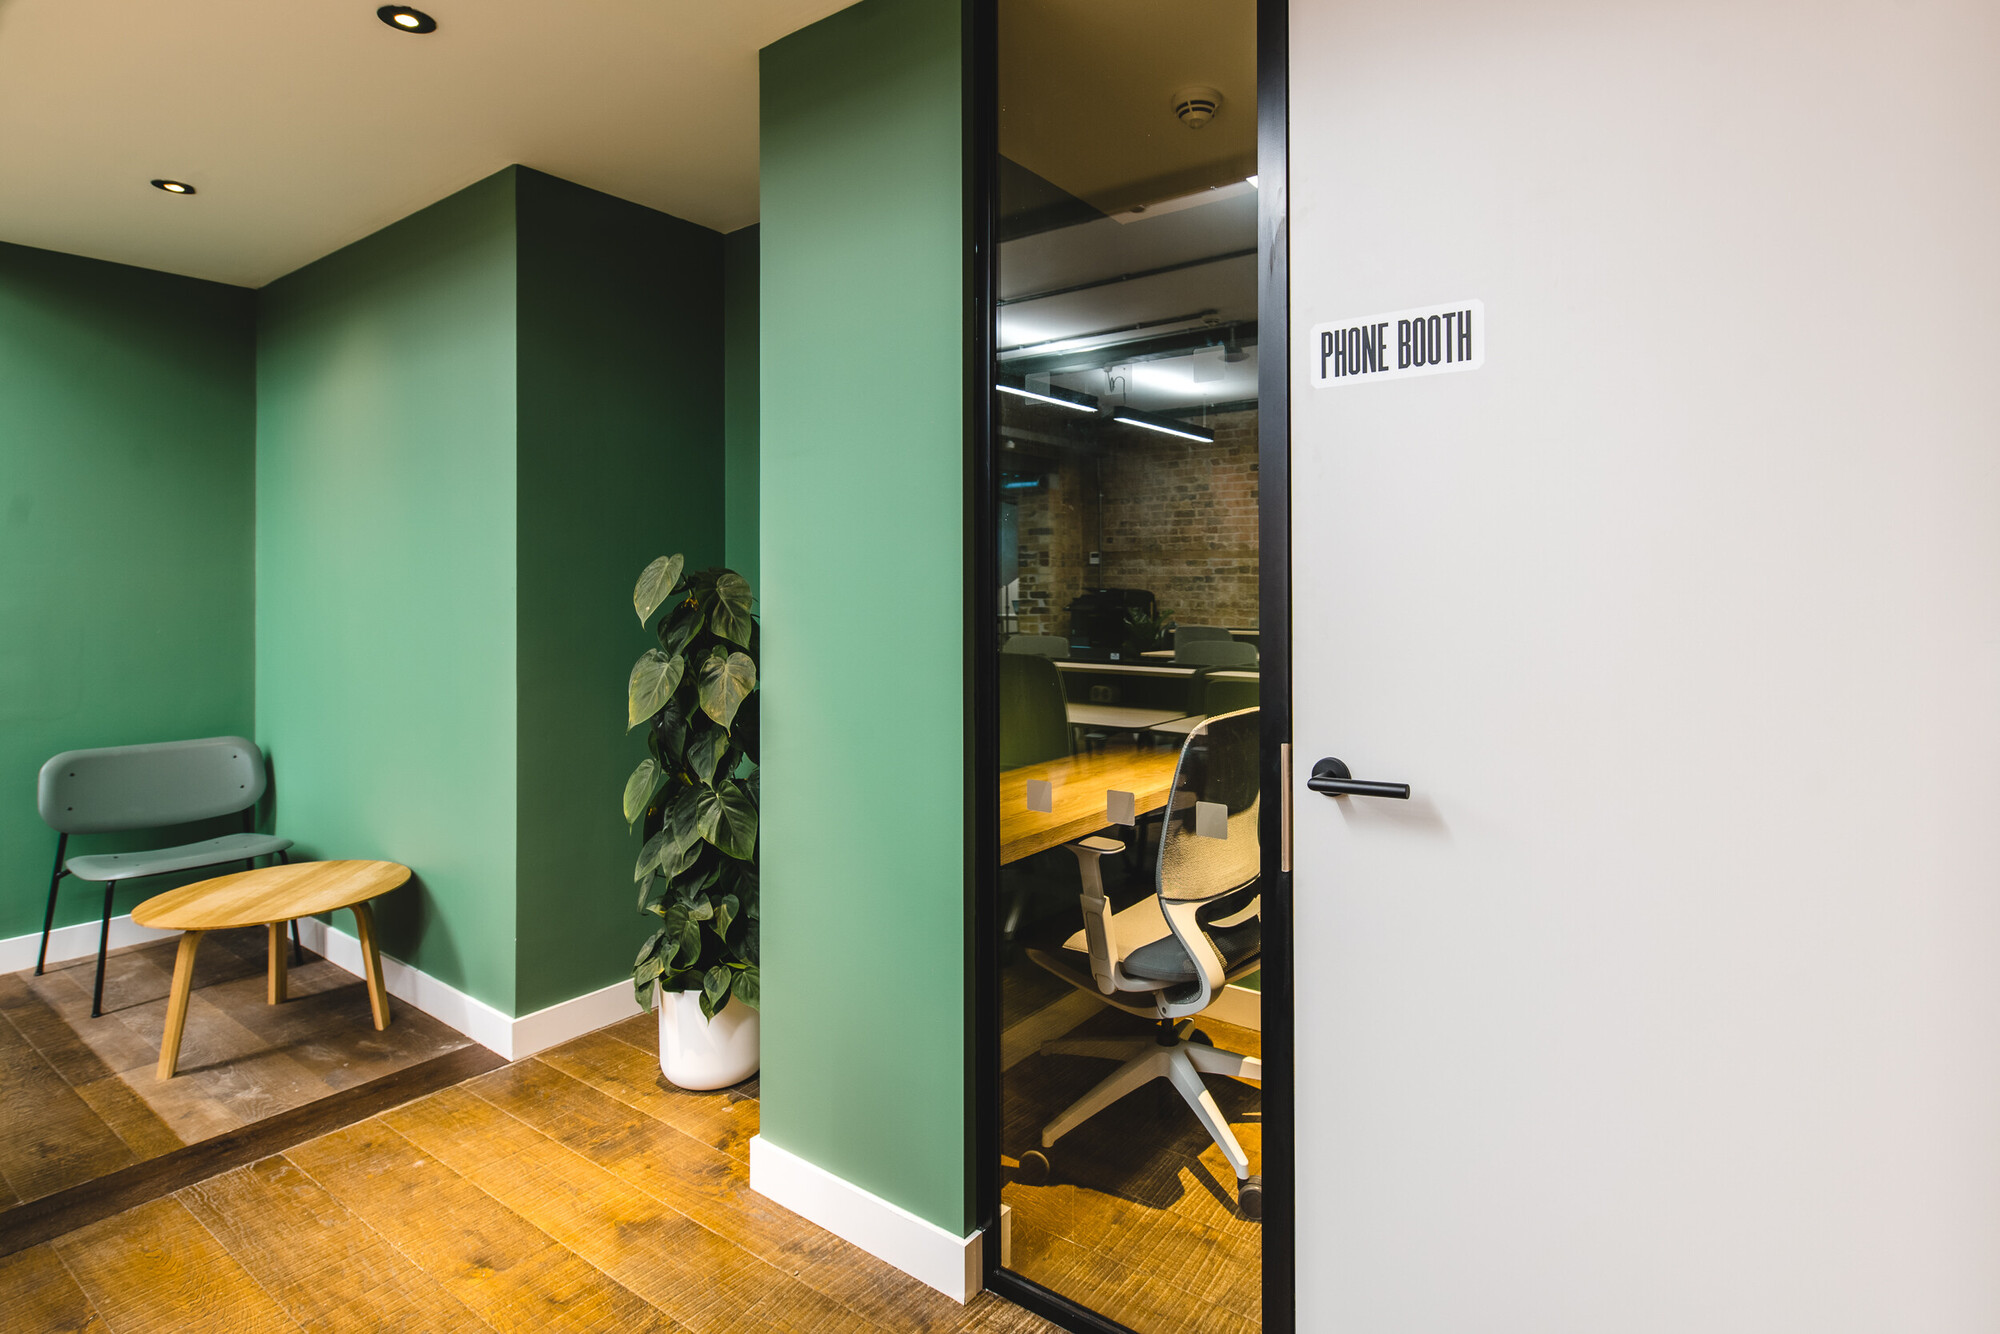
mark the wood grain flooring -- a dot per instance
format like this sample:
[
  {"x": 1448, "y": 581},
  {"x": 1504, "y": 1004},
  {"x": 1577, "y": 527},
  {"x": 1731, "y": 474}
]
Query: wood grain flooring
[
  {"x": 80, "y": 1095},
  {"x": 1138, "y": 1220},
  {"x": 571, "y": 1191}
]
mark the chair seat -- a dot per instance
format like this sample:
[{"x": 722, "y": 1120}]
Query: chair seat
[
  {"x": 1153, "y": 954},
  {"x": 186, "y": 857}
]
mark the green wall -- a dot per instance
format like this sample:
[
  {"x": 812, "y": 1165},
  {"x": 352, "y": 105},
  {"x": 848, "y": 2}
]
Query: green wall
[
  {"x": 126, "y": 430},
  {"x": 739, "y": 339},
  {"x": 386, "y": 623},
  {"x": 620, "y": 460},
  {"x": 863, "y": 318}
]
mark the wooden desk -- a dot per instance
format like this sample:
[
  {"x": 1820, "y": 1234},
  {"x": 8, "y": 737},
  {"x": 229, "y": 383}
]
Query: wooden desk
[
  {"x": 270, "y": 896},
  {"x": 1080, "y": 784},
  {"x": 1121, "y": 669},
  {"x": 1119, "y": 717}
]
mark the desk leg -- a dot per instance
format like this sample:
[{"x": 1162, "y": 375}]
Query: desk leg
[
  {"x": 274, "y": 976},
  {"x": 177, "y": 1004},
  {"x": 371, "y": 958}
]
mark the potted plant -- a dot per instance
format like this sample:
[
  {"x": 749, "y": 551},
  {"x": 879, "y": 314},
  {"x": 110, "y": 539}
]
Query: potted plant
[{"x": 694, "y": 798}]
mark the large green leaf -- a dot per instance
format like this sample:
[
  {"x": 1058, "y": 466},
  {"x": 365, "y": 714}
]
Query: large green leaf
[
  {"x": 730, "y": 616},
  {"x": 705, "y": 751},
  {"x": 678, "y": 630},
  {"x": 727, "y": 818},
  {"x": 669, "y": 734},
  {"x": 748, "y": 986},
  {"x": 651, "y": 947},
  {"x": 714, "y": 990},
  {"x": 725, "y": 683},
  {"x": 640, "y": 787},
  {"x": 654, "y": 677},
  {"x": 726, "y": 909},
  {"x": 656, "y": 582},
  {"x": 657, "y": 848},
  {"x": 684, "y": 935}
]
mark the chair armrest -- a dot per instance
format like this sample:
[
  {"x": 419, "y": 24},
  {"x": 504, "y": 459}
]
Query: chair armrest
[{"x": 1097, "y": 929}]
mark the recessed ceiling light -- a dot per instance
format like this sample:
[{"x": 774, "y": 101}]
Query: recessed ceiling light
[
  {"x": 404, "y": 19},
  {"x": 174, "y": 187}
]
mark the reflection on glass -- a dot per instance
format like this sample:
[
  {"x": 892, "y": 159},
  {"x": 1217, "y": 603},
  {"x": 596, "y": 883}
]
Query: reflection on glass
[{"x": 1128, "y": 673}]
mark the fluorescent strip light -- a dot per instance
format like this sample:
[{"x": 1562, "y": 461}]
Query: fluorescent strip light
[
  {"x": 1022, "y": 392},
  {"x": 1163, "y": 427}
]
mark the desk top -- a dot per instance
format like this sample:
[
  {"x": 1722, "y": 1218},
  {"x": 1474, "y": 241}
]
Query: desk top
[
  {"x": 1121, "y": 668},
  {"x": 1080, "y": 784},
  {"x": 1120, "y": 716},
  {"x": 1234, "y": 676},
  {"x": 269, "y": 894}
]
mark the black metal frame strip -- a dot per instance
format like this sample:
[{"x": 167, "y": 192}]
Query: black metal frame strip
[{"x": 981, "y": 120}]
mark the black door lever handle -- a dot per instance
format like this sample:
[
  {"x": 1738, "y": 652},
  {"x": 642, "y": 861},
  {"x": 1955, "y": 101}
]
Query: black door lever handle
[{"x": 1331, "y": 777}]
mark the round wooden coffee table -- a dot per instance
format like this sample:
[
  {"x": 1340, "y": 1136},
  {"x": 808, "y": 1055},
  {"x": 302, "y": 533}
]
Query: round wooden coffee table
[{"x": 270, "y": 896}]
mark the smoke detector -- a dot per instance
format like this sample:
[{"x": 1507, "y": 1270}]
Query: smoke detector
[{"x": 1197, "y": 106}]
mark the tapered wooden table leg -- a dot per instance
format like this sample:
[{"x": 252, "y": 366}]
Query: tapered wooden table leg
[
  {"x": 371, "y": 959},
  {"x": 274, "y": 986},
  {"x": 177, "y": 1004}
]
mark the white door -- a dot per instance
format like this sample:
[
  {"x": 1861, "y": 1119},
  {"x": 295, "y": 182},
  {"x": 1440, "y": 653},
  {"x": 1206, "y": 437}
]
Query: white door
[{"x": 1671, "y": 1000}]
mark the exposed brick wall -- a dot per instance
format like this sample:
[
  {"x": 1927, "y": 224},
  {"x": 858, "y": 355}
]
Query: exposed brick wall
[{"x": 1180, "y": 519}]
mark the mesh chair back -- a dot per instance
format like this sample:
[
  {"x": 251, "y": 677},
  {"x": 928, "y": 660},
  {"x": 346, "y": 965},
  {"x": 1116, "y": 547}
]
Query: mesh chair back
[
  {"x": 1214, "y": 653},
  {"x": 145, "y": 787},
  {"x": 1215, "y": 793},
  {"x": 1044, "y": 646},
  {"x": 1188, "y": 634},
  {"x": 1034, "y": 717}
]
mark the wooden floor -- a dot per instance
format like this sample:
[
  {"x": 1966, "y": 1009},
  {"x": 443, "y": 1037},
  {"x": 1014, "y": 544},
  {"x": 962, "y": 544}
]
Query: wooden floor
[
  {"x": 571, "y": 1191},
  {"x": 78, "y": 1099},
  {"x": 1138, "y": 1220}
]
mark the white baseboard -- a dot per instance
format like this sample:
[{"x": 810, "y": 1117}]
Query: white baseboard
[
  {"x": 921, "y": 1249},
  {"x": 73, "y": 942},
  {"x": 510, "y": 1037}
]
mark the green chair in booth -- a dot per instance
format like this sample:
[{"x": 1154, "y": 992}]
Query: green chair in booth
[{"x": 1034, "y": 716}]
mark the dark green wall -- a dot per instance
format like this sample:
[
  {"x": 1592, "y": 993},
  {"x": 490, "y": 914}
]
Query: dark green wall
[
  {"x": 386, "y": 636},
  {"x": 126, "y": 432},
  {"x": 739, "y": 338},
  {"x": 620, "y": 460},
  {"x": 863, "y": 490}
]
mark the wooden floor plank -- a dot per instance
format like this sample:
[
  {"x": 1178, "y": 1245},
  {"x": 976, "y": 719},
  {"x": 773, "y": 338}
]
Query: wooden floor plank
[
  {"x": 37, "y": 1021},
  {"x": 53, "y": 1138},
  {"x": 714, "y": 1189},
  {"x": 722, "y": 1120},
  {"x": 701, "y": 1280},
  {"x": 326, "y": 1267},
  {"x": 38, "y": 1295},
  {"x": 130, "y": 1117},
  {"x": 157, "y": 1269},
  {"x": 507, "y": 1272}
]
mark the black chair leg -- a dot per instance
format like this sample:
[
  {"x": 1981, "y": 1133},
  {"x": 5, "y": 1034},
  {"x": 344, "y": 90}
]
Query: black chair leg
[
  {"x": 103, "y": 940},
  {"x": 298, "y": 948},
  {"x": 49, "y": 917}
]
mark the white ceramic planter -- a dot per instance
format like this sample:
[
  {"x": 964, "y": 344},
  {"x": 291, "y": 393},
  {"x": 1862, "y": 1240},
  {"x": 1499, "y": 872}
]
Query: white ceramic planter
[{"x": 698, "y": 1053}]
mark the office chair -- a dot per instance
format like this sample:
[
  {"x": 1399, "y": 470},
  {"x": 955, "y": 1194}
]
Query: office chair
[
  {"x": 1034, "y": 714},
  {"x": 1214, "y": 653},
  {"x": 1168, "y": 955},
  {"x": 1046, "y": 646},
  {"x": 1188, "y": 634}
]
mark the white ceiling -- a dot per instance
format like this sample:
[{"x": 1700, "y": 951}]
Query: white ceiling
[{"x": 309, "y": 124}]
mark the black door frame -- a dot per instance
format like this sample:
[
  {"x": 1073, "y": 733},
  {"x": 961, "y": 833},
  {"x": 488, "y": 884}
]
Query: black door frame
[{"x": 1274, "y": 516}]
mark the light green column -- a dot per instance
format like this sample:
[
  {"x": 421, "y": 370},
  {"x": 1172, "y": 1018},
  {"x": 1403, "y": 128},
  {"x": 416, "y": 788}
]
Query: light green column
[{"x": 863, "y": 485}]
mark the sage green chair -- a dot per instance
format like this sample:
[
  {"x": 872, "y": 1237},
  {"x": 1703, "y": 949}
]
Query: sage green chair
[
  {"x": 1188, "y": 634},
  {"x": 121, "y": 789},
  {"x": 1034, "y": 716},
  {"x": 1213, "y": 653}
]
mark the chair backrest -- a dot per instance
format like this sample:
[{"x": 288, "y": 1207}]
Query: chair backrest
[
  {"x": 143, "y": 787},
  {"x": 1208, "y": 842},
  {"x": 1214, "y": 653},
  {"x": 1043, "y": 646},
  {"x": 1188, "y": 634},
  {"x": 1227, "y": 696},
  {"x": 1034, "y": 717}
]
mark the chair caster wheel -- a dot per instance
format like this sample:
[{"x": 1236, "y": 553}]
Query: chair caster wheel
[
  {"x": 1034, "y": 1168},
  {"x": 1250, "y": 1198}
]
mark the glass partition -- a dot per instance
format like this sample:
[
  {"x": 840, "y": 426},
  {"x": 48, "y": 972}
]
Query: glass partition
[{"x": 1126, "y": 478}]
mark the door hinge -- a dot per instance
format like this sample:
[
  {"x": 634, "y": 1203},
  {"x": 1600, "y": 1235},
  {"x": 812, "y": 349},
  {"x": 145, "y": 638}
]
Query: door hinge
[{"x": 1285, "y": 810}]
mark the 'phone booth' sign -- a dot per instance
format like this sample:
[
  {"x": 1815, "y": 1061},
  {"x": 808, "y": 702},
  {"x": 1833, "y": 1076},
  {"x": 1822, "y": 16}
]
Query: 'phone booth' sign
[{"x": 1431, "y": 340}]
